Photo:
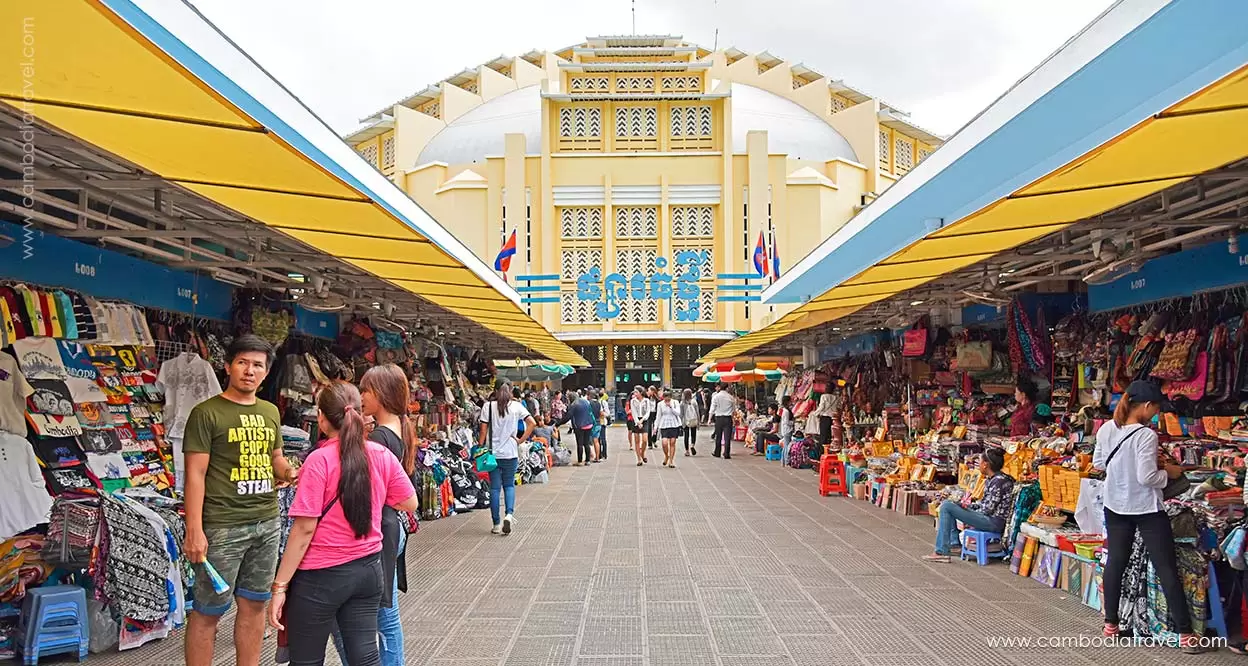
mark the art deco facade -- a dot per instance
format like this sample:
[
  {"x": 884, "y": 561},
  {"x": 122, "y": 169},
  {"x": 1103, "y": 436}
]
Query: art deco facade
[{"x": 638, "y": 173}]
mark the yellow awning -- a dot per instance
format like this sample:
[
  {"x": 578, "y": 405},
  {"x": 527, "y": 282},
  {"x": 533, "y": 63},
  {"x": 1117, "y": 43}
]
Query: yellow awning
[
  {"x": 1204, "y": 132},
  {"x": 100, "y": 80}
]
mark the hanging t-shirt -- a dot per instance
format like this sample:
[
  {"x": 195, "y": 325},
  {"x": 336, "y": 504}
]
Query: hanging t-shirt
[
  {"x": 51, "y": 396},
  {"x": 93, "y": 415},
  {"x": 26, "y": 503},
  {"x": 51, "y": 314},
  {"x": 187, "y": 380},
  {"x": 239, "y": 488},
  {"x": 16, "y": 325},
  {"x": 40, "y": 358},
  {"x": 14, "y": 389},
  {"x": 85, "y": 390},
  {"x": 504, "y": 425},
  {"x": 82, "y": 316},
  {"x": 66, "y": 310},
  {"x": 77, "y": 360}
]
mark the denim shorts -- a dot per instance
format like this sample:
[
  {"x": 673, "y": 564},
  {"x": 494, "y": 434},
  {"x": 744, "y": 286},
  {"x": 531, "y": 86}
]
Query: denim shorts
[{"x": 246, "y": 557}]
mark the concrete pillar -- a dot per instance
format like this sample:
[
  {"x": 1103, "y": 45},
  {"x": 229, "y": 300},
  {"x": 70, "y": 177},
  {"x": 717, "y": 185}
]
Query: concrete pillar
[
  {"x": 610, "y": 371},
  {"x": 514, "y": 199},
  {"x": 760, "y": 194},
  {"x": 667, "y": 364}
]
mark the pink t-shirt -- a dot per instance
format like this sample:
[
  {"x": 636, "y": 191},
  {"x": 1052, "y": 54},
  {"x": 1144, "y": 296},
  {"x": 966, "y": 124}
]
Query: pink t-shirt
[{"x": 334, "y": 541}]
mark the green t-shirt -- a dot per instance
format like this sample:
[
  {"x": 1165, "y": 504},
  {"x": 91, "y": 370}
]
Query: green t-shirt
[{"x": 240, "y": 439}]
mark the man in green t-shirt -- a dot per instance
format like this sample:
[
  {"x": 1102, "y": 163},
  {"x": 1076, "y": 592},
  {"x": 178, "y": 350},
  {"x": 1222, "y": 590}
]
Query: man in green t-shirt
[{"x": 233, "y": 449}]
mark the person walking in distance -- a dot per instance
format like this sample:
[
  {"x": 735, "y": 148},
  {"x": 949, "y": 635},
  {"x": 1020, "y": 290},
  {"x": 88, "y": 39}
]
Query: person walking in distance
[
  {"x": 331, "y": 572},
  {"x": 652, "y": 399},
  {"x": 499, "y": 423},
  {"x": 723, "y": 406},
  {"x": 668, "y": 422},
  {"x": 640, "y": 410},
  {"x": 598, "y": 433},
  {"x": 580, "y": 414},
  {"x": 691, "y": 415},
  {"x": 233, "y": 461}
]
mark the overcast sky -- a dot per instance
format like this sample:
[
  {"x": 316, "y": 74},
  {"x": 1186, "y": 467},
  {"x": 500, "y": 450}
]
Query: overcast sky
[{"x": 941, "y": 60}]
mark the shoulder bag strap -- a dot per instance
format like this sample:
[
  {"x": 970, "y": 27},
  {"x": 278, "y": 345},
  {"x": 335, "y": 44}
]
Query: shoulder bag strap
[
  {"x": 1120, "y": 443},
  {"x": 329, "y": 506}
]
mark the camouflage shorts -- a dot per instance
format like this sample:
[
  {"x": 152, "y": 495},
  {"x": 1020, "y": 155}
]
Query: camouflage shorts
[{"x": 246, "y": 557}]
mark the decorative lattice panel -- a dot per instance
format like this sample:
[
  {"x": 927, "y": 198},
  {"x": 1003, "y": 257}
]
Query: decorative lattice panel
[
  {"x": 692, "y": 127},
  {"x": 430, "y": 109},
  {"x": 387, "y": 152},
  {"x": 580, "y": 222},
  {"x": 637, "y": 221},
  {"x": 706, "y": 309},
  {"x": 798, "y": 83},
  {"x": 634, "y": 84},
  {"x": 903, "y": 154},
  {"x": 369, "y": 153},
  {"x": 924, "y": 153},
  {"x": 580, "y": 122},
  {"x": 590, "y": 84},
  {"x": 639, "y": 312},
  {"x": 838, "y": 103},
  {"x": 885, "y": 144},
  {"x": 471, "y": 86},
  {"x": 693, "y": 221},
  {"x": 681, "y": 84},
  {"x": 576, "y": 262},
  {"x": 636, "y": 121},
  {"x": 505, "y": 70},
  {"x": 572, "y": 310},
  {"x": 706, "y": 270},
  {"x": 634, "y": 261}
]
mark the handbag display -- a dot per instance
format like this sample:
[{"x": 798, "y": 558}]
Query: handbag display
[
  {"x": 975, "y": 355},
  {"x": 1178, "y": 358},
  {"x": 914, "y": 342}
]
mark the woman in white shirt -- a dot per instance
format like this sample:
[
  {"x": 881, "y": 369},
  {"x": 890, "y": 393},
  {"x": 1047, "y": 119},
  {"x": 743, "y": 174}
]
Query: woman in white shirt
[
  {"x": 500, "y": 421},
  {"x": 692, "y": 417},
  {"x": 1135, "y": 476},
  {"x": 639, "y": 415},
  {"x": 669, "y": 422}
]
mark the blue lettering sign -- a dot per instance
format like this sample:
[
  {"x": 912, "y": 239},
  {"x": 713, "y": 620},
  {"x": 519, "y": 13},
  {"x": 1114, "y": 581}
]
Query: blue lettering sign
[{"x": 609, "y": 291}]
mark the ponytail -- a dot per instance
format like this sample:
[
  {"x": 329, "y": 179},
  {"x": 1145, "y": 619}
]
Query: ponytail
[
  {"x": 1123, "y": 411},
  {"x": 408, "y": 430},
  {"x": 340, "y": 405}
]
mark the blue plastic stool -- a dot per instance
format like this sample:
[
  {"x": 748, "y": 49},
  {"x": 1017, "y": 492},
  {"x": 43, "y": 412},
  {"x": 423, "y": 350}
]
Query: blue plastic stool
[
  {"x": 54, "y": 621},
  {"x": 774, "y": 452},
  {"x": 981, "y": 539},
  {"x": 852, "y": 474}
]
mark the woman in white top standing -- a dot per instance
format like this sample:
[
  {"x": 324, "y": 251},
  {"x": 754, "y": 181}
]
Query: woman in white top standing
[
  {"x": 668, "y": 421},
  {"x": 639, "y": 412},
  {"x": 692, "y": 417},
  {"x": 1135, "y": 476},
  {"x": 500, "y": 421}
]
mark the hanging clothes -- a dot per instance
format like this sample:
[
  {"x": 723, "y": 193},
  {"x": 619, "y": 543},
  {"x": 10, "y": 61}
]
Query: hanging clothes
[
  {"x": 22, "y": 492},
  {"x": 136, "y": 565}
]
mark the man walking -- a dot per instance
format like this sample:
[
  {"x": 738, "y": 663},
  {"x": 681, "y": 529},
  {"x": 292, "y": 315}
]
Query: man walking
[
  {"x": 582, "y": 428},
  {"x": 723, "y": 406},
  {"x": 233, "y": 462}
]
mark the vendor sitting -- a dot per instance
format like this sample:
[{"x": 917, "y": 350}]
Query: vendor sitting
[
  {"x": 766, "y": 430},
  {"x": 988, "y": 515}
]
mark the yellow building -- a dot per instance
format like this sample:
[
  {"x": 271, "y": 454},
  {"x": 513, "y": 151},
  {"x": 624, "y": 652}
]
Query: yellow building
[{"x": 638, "y": 174}]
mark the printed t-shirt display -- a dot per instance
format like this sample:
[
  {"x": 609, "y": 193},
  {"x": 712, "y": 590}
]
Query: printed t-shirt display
[
  {"x": 334, "y": 542},
  {"x": 51, "y": 396},
  {"x": 504, "y": 424},
  {"x": 239, "y": 487},
  {"x": 22, "y": 494},
  {"x": 188, "y": 381},
  {"x": 14, "y": 389},
  {"x": 40, "y": 358}
]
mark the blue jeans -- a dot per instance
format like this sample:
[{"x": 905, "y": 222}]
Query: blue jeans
[
  {"x": 503, "y": 479},
  {"x": 947, "y": 525},
  {"x": 389, "y": 625}
]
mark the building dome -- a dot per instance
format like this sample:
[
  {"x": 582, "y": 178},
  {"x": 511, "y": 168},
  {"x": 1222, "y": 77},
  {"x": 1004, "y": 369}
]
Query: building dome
[
  {"x": 480, "y": 132},
  {"x": 791, "y": 129}
]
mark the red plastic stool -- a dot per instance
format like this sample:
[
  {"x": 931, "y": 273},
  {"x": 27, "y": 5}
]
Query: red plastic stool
[{"x": 832, "y": 476}]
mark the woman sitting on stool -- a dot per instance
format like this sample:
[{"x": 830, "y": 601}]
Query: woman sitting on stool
[{"x": 988, "y": 515}]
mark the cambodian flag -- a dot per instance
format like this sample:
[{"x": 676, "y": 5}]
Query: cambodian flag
[
  {"x": 503, "y": 261},
  {"x": 775, "y": 260},
  {"x": 760, "y": 257}
]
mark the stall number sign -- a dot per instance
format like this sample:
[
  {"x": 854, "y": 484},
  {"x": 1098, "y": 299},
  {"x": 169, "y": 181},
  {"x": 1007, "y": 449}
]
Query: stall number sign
[
  {"x": 86, "y": 270},
  {"x": 610, "y": 291}
]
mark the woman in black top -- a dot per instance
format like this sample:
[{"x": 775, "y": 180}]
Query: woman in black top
[{"x": 385, "y": 396}]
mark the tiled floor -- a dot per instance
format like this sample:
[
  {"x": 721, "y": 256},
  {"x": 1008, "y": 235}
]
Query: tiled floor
[{"x": 736, "y": 563}]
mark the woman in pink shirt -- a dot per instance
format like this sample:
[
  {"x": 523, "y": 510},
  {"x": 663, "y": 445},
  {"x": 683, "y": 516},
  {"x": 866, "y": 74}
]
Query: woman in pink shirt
[{"x": 331, "y": 569}]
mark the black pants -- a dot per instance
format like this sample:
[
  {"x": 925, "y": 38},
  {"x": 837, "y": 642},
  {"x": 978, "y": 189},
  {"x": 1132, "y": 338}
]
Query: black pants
[
  {"x": 1154, "y": 529},
  {"x": 762, "y": 439},
  {"x": 723, "y": 435},
  {"x": 825, "y": 430},
  {"x": 691, "y": 436},
  {"x": 584, "y": 444},
  {"x": 349, "y": 593}
]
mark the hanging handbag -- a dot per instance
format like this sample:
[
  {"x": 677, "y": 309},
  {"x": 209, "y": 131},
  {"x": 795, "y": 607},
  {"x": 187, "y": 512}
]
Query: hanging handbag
[
  {"x": 914, "y": 341},
  {"x": 483, "y": 455},
  {"x": 1232, "y": 548},
  {"x": 975, "y": 355}
]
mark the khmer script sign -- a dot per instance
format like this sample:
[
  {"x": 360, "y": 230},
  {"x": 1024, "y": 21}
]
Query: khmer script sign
[{"x": 610, "y": 291}]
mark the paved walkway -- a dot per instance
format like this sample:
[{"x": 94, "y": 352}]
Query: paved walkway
[{"x": 717, "y": 563}]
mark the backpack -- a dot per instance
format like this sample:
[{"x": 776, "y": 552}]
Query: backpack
[{"x": 797, "y": 454}]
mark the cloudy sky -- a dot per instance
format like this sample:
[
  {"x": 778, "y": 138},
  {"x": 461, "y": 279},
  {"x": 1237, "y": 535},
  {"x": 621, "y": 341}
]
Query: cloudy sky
[{"x": 941, "y": 60}]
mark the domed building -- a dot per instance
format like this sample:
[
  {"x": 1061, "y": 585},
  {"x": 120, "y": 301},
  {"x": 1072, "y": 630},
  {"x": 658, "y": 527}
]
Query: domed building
[{"x": 653, "y": 187}]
